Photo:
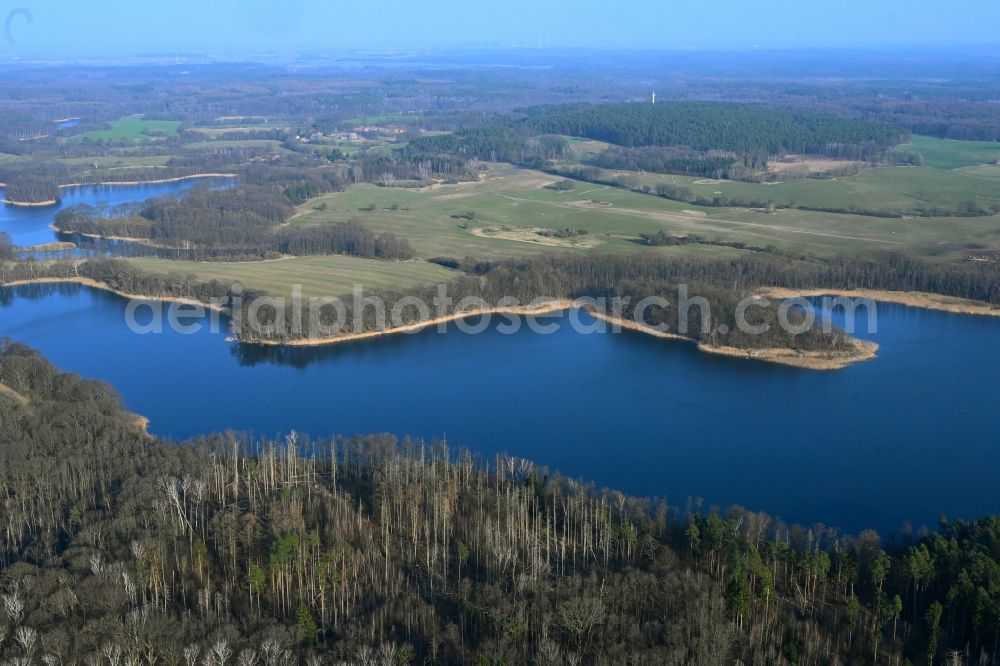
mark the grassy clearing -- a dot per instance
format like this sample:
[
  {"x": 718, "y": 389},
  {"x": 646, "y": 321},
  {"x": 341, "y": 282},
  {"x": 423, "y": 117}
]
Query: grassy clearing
[
  {"x": 318, "y": 276},
  {"x": 948, "y": 154},
  {"x": 957, "y": 173},
  {"x": 432, "y": 219},
  {"x": 112, "y": 161},
  {"x": 904, "y": 189},
  {"x": 271, "y": 145},
  {"x": 132, "y": 128}
]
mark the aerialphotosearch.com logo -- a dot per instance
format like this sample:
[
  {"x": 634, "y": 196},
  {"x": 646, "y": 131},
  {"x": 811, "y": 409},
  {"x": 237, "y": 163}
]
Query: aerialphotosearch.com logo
[{"x": 296, "y": 317}]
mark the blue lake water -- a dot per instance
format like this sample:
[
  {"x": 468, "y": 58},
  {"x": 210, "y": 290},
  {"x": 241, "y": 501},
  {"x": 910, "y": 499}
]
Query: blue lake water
[{"x": 906, "y": 437}]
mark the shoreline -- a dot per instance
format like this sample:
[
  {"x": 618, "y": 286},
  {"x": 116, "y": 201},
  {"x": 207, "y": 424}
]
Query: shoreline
[
  {"x": 818, "y": 360},
  {"x": 147, "y": 242},
  {"x": 547, "y": 308},
  {"x": 94, "y": 284},
  {"x": 32, "y": 204},
  {"x": 913, "y": 299},
  {"x": 113, "y": 183},
  {"x": 808, "y": 360},
  {"x": 55, "y": 246},
  {"x": 158, "y": 181}
]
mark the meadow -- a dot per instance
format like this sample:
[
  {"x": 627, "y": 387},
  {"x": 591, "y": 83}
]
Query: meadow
[
  {"x": 907, "y": 190},
  {"x": 436, "y": 221},
  {"x": 956, "y": 175},
  {"x": 948, "y": 154},
  {"x": 132, "y": 128}
]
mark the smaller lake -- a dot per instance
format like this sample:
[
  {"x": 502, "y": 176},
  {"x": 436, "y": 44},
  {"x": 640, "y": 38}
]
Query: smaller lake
[
  {"x": 908, "y": 436},
  {"x": 30, "y": 226}
]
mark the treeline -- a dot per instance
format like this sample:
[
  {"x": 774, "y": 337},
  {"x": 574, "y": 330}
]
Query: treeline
[
  {"x": 745, "y": 129},
  {"x": 121, "y": 548},
  {"x": 620, "y": 279},
  {"x": 723, "y": 283},
  {"x": 675, "y": 160},
  {"x": 517, "y": 143},
  {"x": 663, "y": 239},
  {"x": 8, "y": 251}
]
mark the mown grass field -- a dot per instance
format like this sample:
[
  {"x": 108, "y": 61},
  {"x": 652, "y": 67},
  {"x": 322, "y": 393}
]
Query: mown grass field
[
  {"x": 948, "y": 154},
  {"x": 132, "y": 128},
  {"x": 318, "y": 276},
  {"x": 615, "y": 218}
]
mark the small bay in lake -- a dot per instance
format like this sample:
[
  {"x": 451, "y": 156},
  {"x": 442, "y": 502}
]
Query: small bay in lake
[{"x": 31, "y": 225}]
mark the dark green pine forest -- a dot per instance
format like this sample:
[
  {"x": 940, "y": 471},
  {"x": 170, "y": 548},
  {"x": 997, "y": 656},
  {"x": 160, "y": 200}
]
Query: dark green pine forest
[{"x": 119, "y": 548}]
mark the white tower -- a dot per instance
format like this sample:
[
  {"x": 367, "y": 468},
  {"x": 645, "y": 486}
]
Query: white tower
[{"x": 654, "y": 97}]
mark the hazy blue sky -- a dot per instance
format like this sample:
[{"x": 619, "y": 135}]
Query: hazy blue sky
[{"x": 104, "y": 26}]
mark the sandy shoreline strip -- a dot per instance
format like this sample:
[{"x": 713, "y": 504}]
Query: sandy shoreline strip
[
  {"x": 158, "y": 181},
  {"x": 546, "y": 308},
  {"x": 113, "y": 183},
  {"x": 915, "y": 299},
  {"x": 809, "y": 360},
  {"x": 58, "y": 246},
  {"x": 32, "y": 204},
  {"x": 148, "y": 242},
  {"x": 94, "y": 284}
]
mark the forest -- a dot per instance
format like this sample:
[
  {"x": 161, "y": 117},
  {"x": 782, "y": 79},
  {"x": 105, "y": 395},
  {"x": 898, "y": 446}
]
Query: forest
[
  {"x": 246, "y": 221},
  {"x": 744, "y": 129},
  {"x": 121, "y": 548},
  {"x": 710, "y": 139},
  {"x": 27, "y": 189}
]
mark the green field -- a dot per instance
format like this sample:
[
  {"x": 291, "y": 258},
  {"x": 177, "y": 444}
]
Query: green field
[
  {"x": 948, "y": 154},
  {"x": 218, "y": 130},
  {"x": 132, "y": 128},
  {"x": 113, "y": 161},
  {"x": 908, "y": 190},
  {"x": 318, "y": 276},
  {"x": 517, "y": 198},
  {"x": 270, "y": 145}
]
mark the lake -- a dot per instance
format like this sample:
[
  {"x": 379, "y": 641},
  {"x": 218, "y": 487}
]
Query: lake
[
  {"x": 29, "y": 225},
  {"x": 906, "y": 437}
]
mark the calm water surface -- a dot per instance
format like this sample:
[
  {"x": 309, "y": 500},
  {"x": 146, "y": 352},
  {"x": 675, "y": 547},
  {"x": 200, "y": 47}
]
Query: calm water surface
[{"x": 906, "y": 437}]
